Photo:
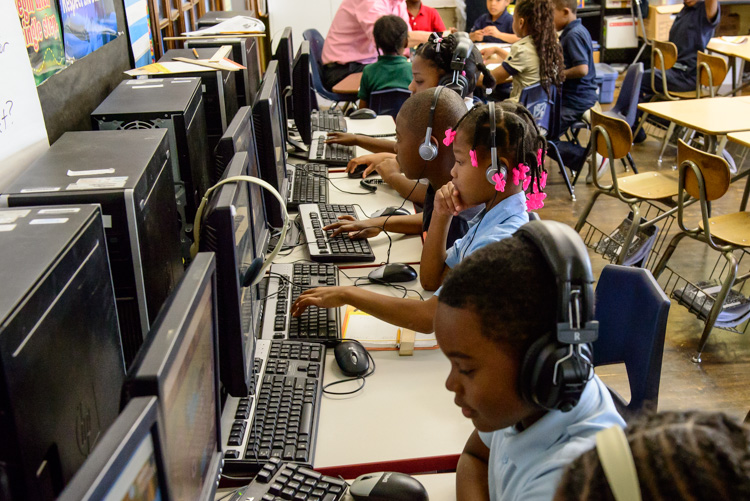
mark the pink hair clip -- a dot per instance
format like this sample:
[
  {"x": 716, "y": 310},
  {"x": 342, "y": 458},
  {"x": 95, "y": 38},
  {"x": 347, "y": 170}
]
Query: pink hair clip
[
  {"x": 543, "y": 179},
  {"x": 499, "y": 181},
  {"x": 539, "y": 157},
  {"x": 450, "y": 136},
  {"x": 535, "y": 200},
  {"x": 463, "y": 73},
  {"x": 519, "y": 174},
  {"x": 526, "y": 182},
  {"x": 473, "y": 156}
]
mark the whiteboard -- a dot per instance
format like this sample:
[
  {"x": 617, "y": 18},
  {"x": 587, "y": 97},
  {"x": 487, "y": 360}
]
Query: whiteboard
[{"x": 23, "y": 136}]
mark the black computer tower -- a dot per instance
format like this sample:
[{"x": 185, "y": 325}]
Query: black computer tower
[
  {"x": 245, "y": 51},
  {"x": 128, "y": 173},
  {"x": 61, "y": 362},
  {"x": 177, "y": 105}
]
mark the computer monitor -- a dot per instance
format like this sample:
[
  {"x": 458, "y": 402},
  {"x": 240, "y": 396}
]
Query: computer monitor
[
  {"x": 303, "y": 96},
  {"x": 128, "y": 463},
  {"x": 270, "y": 132},
  {"x": 227, "y": 230},
  {"x": 179, "y": 366},
  {"x": 285, "y": 55}
]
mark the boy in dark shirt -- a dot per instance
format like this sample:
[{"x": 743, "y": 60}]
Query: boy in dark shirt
[
  {"x": 496, "y": 26},
  {"x": 579, "y": 88}
]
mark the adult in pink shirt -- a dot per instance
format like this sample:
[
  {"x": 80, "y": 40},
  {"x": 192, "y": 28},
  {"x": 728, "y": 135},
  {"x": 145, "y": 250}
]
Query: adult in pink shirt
[{"x": 349, "y": 45}]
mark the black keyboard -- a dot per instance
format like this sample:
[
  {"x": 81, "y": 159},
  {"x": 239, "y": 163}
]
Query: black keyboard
[
  {"x": 310, "y": 185},
  {"x": 329, "y": 154},
  {"x": 328, "y": 120},
  {"x": 280, "y": 418},
  {"x": 278, "y": 481},
  {"x": 320, "y": 325},
  {"x": 322, "y": 247}
]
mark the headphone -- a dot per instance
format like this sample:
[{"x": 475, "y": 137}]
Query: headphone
[
  {"x": 456, "y": 81},
  {"x": 429, "y": 150},
  {"x": 258, "y": 266},
  {"x": 494, "y": 168},
  {"x": 617, "y": 462},
  {"x": 557, "y": 366}
]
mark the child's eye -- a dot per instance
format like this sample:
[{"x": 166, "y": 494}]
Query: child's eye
[{"x": 467, "y": 372}]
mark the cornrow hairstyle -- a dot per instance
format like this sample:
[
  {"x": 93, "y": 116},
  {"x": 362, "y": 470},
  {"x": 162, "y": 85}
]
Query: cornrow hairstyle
[
  {"x": 678, "y": 455},
  {"x": 517, "y": 136},
  {"x": 390, "y": 33},
  {"x": 539, "y": 17},
  {"x": 439, "y": 50}
]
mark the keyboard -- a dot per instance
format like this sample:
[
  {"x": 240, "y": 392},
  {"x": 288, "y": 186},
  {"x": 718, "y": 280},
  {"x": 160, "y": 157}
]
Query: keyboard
[
  {"x": 279, "y": 419},
  {"x": 329, "y": 154},
  {"x": 328, "y": 121},
  {"x": 309, "y": 185},
  {"x": 281, "y": 481},
  {"x": 320, "y": 325},
  {"x": 322, "y": 247}
]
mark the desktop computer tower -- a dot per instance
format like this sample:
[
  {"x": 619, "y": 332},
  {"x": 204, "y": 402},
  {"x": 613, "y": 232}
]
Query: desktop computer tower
[
  {"x": 244, "y": 51},
  {"x": 174, "y": 104},
  {"x": 128, "y": 173},
  {"x": 61, "y": 361}
]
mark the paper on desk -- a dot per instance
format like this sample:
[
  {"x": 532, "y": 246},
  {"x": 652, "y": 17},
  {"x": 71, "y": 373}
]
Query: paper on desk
[
  {"x": 179, "y": 67},
  {"x": 734, "y": 40},
  {"x": 376, "y": 334},
  {"x": 237, "y": 24}
]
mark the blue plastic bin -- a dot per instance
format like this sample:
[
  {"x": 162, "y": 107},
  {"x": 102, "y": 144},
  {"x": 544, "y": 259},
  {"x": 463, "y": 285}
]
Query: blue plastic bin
[{"x": 606, "y": 76}]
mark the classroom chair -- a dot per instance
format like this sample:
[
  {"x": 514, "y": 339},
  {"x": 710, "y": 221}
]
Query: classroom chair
[
  {"x": 632, "y": 311},
  {"x": 706, "y": 177},
  {"x": 545, "y": 108},
  {"x": 388, "y": 101},
  {"x": 316, "y": 65},
  {"x": 612, "y": 138}
]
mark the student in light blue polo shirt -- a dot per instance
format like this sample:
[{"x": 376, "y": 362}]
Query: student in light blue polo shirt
[{"x": 494, "y": 309}]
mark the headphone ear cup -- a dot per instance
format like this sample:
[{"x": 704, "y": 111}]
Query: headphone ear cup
[
  {"x": 428, "y": 151},
  {"x": 491, "y": 171},
  {"x": 529, "y": 375}
]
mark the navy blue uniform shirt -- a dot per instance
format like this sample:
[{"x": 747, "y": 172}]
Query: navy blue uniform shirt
[
  {"x": 691, "y": 32},
  {"x": 578, "y": 93},
  {"x": 504, "y": 24}
]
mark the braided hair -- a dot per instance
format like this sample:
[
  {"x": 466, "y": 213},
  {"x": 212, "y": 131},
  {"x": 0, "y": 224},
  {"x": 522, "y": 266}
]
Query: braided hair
[
  {"x": 539, "y": 18},
  {"x": 517, "y": 136},
  {"x": 439, "y": 50},
  {"x": 678, "y": 455}
]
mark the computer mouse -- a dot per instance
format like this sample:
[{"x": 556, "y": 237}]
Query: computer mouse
[
  {"x": 352, "y": 358},
  {"x": 358, "y": 170},
  {"x": 393, "y": 272},
  {"x": 363, "y": 114},
  {"x": 387, "y": 486},
  {"x": 390, "y": 211}
]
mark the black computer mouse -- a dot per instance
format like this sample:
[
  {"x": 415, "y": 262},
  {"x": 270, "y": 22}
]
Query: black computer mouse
[
  {"x": 393, "y": 272},
  {"x": 352, "y": 358},
  {"x": 387, "y": 486},
  {"x": 391, "y": 211},
  {"x": 358, "y": 170},
  {"x": 363, "y": 114}
]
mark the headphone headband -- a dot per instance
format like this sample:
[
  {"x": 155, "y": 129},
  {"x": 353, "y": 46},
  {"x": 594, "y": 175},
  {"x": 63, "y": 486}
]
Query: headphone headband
[
  {"x": 427, "y": 150},
  {"x": 617, "y": 462}
]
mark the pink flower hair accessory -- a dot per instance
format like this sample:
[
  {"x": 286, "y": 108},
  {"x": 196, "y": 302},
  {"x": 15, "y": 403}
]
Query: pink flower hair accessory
[
  {"x": 519, "y": 174},
  {"x": 543, "y": 179},
  {"x": 497, "y": 178},
  {"x": 539, "y": 157},
  {"x": 535, "y": 200},
  {"x": 474, "y": 161},
  {"x": 526, "y": 182},
  {"x": 450, "y": 136}
]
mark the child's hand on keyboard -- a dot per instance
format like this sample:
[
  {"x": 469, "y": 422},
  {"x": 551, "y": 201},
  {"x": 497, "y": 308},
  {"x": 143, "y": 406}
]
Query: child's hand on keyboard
[
  {"x": 322, "y": 297},
  {"x": 366, "y": 228},
  {"x": 342, "y": 138},
  {"x": 371, "y": 160}
]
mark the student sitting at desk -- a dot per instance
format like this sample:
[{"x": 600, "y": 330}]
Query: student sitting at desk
[
  {"x": 519, "y": 144},
  {"x": 424, "y": 18},
  {"x": 391, "y": 70},
  {"x": 495, "y": 26},
  {"x": 496, "y": 321}
]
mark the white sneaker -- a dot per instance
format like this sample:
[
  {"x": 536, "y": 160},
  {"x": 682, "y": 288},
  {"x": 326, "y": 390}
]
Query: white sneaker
[{"x": 603, "y": 164}]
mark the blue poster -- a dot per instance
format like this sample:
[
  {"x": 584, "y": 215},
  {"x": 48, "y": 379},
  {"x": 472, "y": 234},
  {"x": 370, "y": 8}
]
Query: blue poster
[{"x": 87, "y": 25}]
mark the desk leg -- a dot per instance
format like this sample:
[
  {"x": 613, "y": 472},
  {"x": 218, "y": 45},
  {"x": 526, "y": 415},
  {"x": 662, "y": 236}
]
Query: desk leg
[{"x": 743, "y": 203}]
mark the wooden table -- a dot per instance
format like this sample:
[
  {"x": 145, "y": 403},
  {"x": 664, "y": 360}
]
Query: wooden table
[
  {"x": 349, "y": 85},
  {"x": 742, "y": 138},
  {"x": 733, "y": 51}
]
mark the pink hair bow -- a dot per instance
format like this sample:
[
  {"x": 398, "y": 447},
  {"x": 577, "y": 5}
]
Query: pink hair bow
[
  {"x": 539, "y": 157},
  {"x": 543, "y": 180},
  {"x": 519, "y": 174},
  {"x": 535, "y": 200},
  {"x": 450, "y": 136},
  {"x": 499, "y": 182},
  {"x": 473, "y": 156}
]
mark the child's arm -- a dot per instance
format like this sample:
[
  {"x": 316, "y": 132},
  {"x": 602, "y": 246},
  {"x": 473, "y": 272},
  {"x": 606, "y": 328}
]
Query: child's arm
[
  {"x": 476, "y": 36},
  {"x": 362, "y": 103},
  {"x": 492, "y": 31},
  {"x": 368, "y": 228},
  {"x": 712, "y": 8},
  {"x": 373, "y": 144},
  {"x": 390, "y": 171},
  {"x": 432, "y": 268},
  {"x": 500, "y": 74},
  {"x": 579, "y": 71},
  {"x": 471, "y": 471},
  {"x": 410, "y": 313}
]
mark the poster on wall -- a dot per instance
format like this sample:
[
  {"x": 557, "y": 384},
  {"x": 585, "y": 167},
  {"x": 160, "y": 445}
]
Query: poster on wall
[
  {"x": 87, "y": 25},
  {"x": 40, "y": 24},
  {"x": 139, "y": 30}
]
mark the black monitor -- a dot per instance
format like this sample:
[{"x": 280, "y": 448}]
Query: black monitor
[
  {"x": 127, "y": 464},
  {"x": 285, "y": 56},
  {"x": 179, "y": 365},
  {"x": 231, "y": 219},
  {"x": 303, "y": 95},
  {"x": 270, "y": 132},
  {"x": 61, "y": 361}
]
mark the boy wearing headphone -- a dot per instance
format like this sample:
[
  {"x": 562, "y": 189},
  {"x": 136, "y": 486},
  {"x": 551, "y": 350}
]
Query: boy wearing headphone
[{"x": 518, "y": 369}]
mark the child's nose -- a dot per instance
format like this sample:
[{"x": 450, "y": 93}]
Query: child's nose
[{"x": 450, "y": 382}]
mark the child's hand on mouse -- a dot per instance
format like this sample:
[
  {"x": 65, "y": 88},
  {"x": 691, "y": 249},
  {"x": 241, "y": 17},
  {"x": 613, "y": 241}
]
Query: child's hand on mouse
[
  {"x": 322, "y": 297},
  {"x": 342, "y": 138},
  {"x": 387, "y": 169},
  {"x": 448, "y": 201},
  {"x": 370, "y": 161},
  {"x": 354, "y": 227}
]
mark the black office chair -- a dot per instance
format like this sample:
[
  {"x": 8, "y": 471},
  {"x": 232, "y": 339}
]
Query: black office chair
[
  {"x": 632, "y": 311},
  {"x": 388, "y": 101}
]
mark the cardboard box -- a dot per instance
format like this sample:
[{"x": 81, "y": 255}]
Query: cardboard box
[
  {"x": 619, "y": 32},
  {"x": 660, "y": 21}
]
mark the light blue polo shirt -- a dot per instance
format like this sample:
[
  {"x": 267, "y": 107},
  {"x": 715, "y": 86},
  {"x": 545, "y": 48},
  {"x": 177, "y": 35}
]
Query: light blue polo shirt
[{"x": 528, "y": 465}]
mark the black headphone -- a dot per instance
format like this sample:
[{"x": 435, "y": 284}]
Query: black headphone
[
  {"x": 429, "y": 150},
  {"x": 456, "y": 80},
  {"x": 557, "y": 366},
  {"x": 496, "y": 166}
]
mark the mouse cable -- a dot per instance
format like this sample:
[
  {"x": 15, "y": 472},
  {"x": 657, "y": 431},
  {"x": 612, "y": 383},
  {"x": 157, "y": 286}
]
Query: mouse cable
[
  {"x": 315, "y": 174},
  {"x": 232, "y": 493},
  {"x": 350, "y": 379},
  {"x": 359, "y": 282}
]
